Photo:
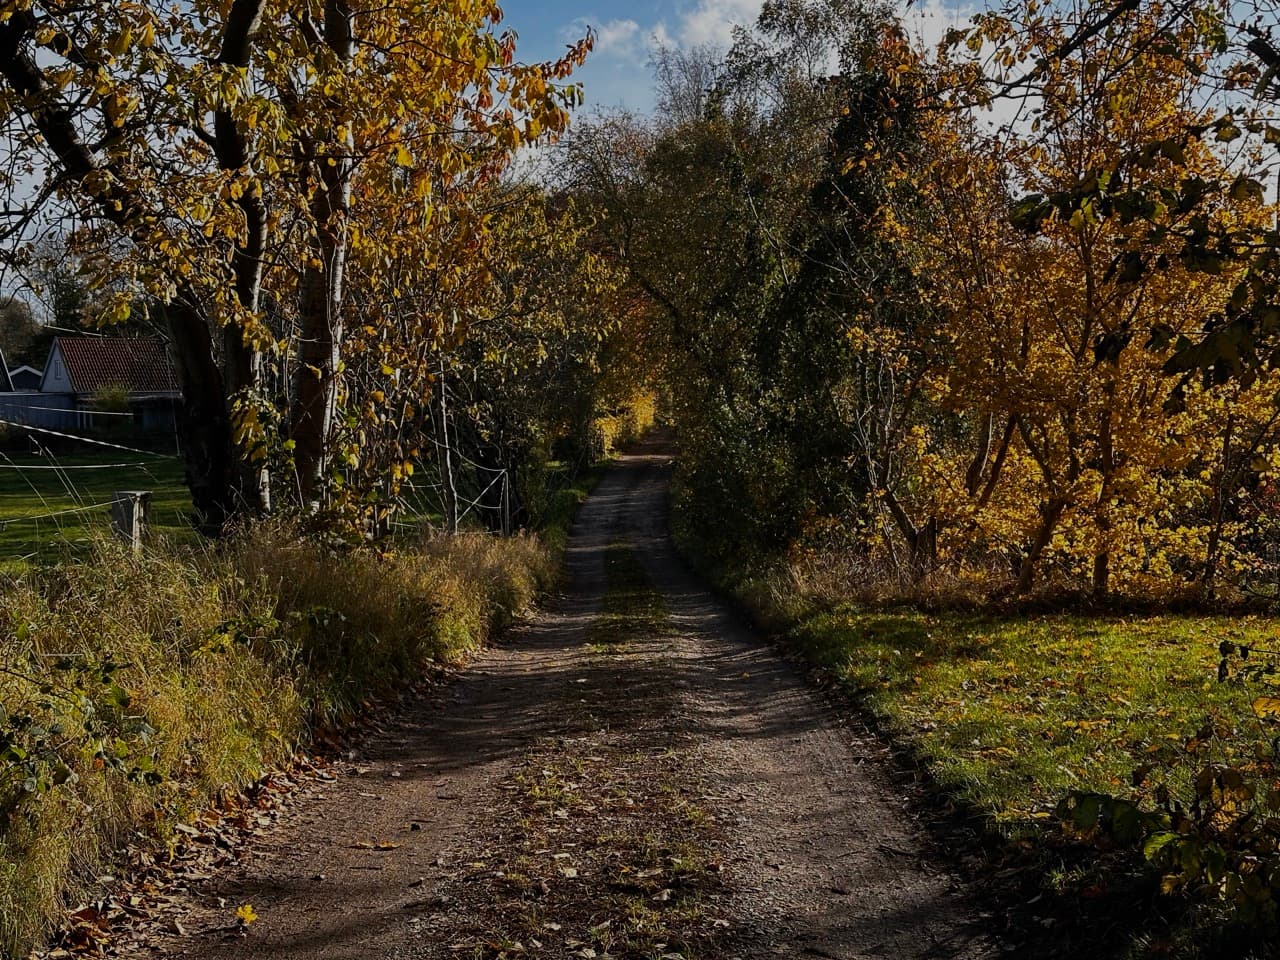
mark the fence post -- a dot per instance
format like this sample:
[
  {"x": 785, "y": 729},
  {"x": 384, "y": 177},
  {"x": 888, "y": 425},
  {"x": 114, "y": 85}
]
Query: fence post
[
  {"x": 506, "y": 503},
  {"x": 130, "y": 513}
]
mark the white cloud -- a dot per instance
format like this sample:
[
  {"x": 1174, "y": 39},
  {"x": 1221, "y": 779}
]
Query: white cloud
[
  {"x": 660, "y": 36},
  {"x": 617, "y": 71},
  {"x": 712, "y": 21},
  {"x": 617, "y": 35},
  {"x": 617, "y": 41},
  {"x": 627, "y": 41}
]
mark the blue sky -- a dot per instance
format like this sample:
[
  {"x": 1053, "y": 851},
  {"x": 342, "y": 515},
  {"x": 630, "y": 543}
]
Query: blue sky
[{"x": 617, "y": 74}]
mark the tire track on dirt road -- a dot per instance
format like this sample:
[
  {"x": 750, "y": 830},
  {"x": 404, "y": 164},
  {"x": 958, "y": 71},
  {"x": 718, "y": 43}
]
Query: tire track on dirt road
[{"x": 820, "y": 855}]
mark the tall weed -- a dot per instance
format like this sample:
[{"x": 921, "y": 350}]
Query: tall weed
[{"x": 134, "y": 690}]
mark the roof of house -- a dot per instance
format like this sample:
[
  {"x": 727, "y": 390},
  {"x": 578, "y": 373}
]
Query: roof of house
[{"x": 140, "y": 365}]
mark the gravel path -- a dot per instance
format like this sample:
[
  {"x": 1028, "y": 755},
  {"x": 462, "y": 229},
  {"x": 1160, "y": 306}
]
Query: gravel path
[{"x": 816, "y": 851}]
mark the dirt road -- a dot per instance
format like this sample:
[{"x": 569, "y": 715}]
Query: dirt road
[{"x": 676, "y": 792}]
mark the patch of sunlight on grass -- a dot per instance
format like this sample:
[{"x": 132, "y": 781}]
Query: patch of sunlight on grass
[
  {"x": 1013, "y": 712},
  {"x": 29, "y": 496}
]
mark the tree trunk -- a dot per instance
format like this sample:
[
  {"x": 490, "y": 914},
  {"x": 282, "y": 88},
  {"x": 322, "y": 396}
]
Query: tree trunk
[
  {"x": 1050, "y": 513},
  {"x": 973, "y": 476},
  {"x": 921, "y": 540},
  {"x": 924, "y": 549},
  {"x": 1102, "y": 518},
  {"x": 203, "y": 424},
  {"x": 242, "y": 362},
  {"x": 997, "y": 465},
  {"x": 320, "y": 313},
  {"x": 448, "y": 490},
  {"x": 1213, "y": 553},
  {"x": 1101, "y": 575}
]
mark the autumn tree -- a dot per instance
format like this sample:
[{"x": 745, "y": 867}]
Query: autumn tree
[
  {"x": 477, "y": 365},
  {"x": 1064, "y": 345},
  {"x": 728, "y": 214},
  {"x": 940, "y": 345},
  {"x": 1234, "y": 54},
  {"x": 230, "y": 161}
]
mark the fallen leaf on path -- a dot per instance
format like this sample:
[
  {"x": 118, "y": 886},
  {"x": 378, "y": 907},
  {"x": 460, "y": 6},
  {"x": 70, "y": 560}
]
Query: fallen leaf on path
[{"x": 380, "y": 845}]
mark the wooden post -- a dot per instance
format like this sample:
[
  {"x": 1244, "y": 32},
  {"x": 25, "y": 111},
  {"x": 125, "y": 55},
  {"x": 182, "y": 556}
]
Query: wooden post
[{"x": 130, "y": 512}]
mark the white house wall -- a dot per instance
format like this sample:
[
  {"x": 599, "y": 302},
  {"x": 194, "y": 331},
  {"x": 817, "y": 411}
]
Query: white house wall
[{"x": 56, "y": 378}]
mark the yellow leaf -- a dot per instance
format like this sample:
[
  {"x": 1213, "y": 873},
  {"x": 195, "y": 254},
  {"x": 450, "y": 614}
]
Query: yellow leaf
[
  {"x": 246, "y": 914},
  {"x": 1266, "y": 707}
]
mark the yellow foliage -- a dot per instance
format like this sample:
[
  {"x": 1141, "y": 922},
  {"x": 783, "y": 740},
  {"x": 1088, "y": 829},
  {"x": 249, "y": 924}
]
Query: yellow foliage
[
  {"x": 1058, "y": 442},
  {"x": 638, "y": 414}
]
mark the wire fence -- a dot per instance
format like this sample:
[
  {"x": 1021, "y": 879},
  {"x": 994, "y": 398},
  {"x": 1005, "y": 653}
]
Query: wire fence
[
  {"x": 476, "y": 492},
  {"x": 60, "y": 493},
  {"x": 62, "y": 490}
]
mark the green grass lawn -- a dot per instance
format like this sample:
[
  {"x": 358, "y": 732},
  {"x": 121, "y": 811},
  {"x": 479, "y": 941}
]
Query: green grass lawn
[
  {"x": 30, "y": 492},
  {"x": 1013, "y": 713}
]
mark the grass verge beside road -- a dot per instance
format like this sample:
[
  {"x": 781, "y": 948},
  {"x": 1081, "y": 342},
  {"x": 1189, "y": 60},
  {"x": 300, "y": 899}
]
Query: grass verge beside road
[
  {"x": 1011, "y": 713},
  {"x": 1008, "y": 714},
  {"x": 136, "y": 690}
]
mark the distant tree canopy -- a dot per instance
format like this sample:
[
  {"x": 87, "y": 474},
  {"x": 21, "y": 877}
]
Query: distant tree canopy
[
  {"x": 998, "y": 311},
  {"x": 20, "y": 333}
]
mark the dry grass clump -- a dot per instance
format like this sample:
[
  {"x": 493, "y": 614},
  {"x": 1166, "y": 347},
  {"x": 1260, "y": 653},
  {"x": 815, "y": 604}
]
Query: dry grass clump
[
  {"x": 349, "y": 624},
  {"x": 134, "y": 690},
  {"x": 827, "y": 577}
]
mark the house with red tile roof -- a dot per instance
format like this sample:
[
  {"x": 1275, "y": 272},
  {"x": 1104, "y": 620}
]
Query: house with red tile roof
[
  {"x": 80, "y": 371},
  {"x": 87, "y": 366}
]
